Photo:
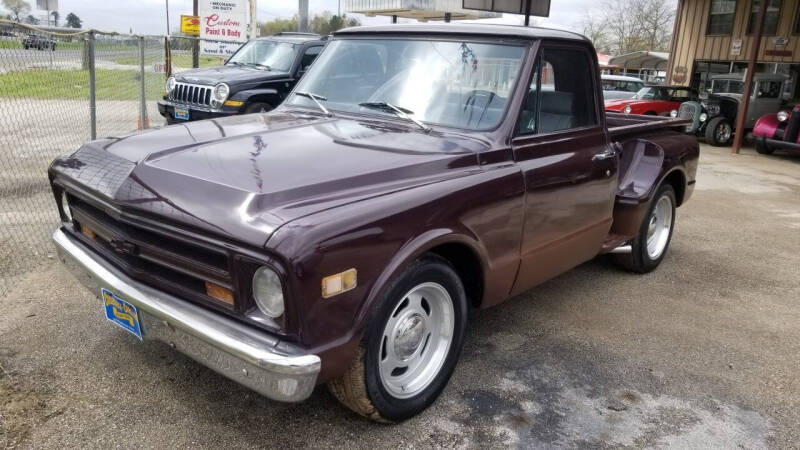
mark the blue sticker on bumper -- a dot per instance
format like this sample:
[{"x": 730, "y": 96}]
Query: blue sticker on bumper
[{"x": 121, "y": 312}]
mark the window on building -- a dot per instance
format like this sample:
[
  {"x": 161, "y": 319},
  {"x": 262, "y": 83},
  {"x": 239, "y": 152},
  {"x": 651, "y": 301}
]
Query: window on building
[
  {"x": 720, "y": 18},
  {"x": 770, "y": 19}
]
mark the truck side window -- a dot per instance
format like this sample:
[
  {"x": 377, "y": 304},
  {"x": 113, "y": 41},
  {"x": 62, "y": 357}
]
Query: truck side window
[
  {"x": 309, "y": 56},
  {"x": 562, "y": 86}
]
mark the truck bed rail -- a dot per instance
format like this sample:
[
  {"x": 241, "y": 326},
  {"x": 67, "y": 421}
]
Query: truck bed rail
[{"x": 622, "y": 124}]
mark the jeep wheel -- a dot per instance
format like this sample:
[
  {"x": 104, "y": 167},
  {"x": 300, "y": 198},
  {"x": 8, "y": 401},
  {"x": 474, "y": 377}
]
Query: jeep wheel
[
  {"x": 258, "y": 108},
  {"x": 651, "y": 243},
  {"x": 411, "y": 345},
  {"x": 719, "y": 132},
  {"x": 762, "y": 148}
]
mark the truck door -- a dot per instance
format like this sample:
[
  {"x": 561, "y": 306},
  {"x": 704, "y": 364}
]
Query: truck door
[{"x": 570, "y": 168}]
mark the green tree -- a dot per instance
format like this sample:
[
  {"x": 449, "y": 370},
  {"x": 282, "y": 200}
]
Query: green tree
[
  {"x": 325, "y": 23},
  {"x": 74, "y": 21},
  {"x": 278, "y": 25},
  {"x": 31, "y": 20},
  {"x": 17, "y": 7}
]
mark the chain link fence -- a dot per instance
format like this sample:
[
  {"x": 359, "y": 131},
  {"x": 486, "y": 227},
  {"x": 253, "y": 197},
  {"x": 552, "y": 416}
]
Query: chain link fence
[{"x": 58, "y": 91}]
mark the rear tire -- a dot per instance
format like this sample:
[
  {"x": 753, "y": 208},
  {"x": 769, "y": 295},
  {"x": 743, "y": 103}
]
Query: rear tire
[
  {"x": 719, "y": 132},
  {"x": 655, "y": 233},
  {"x": 411, "y": 345},
  {"x": 762, "y": 148}
]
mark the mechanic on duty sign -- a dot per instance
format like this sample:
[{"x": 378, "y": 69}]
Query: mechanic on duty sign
[{"x": 223, "y": 20}]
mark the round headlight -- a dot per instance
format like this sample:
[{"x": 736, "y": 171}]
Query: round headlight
[
  {"x": 170, "y": 84},
  {"x": 673, "y": 113},
  {"x": 220, "y": 94},
  {"x": 628, "y": 109},
  {"x": 783, "y": 116},
  {"x": 65, "y": 206},
  {"x": 703, "y": 117},
  {"x": 268, "y": 292}
]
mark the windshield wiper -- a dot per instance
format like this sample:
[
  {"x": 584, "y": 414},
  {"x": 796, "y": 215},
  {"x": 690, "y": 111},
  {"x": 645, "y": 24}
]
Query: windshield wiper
[
  {"x": 316, "y": 99},
  {"x": 398, "y": 111},
  {"x": 260, "y": 65}
]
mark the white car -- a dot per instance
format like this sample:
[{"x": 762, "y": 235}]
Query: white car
[{"x": 618, "y": 87}]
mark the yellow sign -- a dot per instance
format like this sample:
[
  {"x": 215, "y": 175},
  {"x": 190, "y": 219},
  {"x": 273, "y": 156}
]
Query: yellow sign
[{"x": 190, "y": 25}]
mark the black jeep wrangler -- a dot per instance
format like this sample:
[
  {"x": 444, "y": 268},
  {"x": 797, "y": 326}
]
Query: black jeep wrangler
[{"x": 255, "y": 78}]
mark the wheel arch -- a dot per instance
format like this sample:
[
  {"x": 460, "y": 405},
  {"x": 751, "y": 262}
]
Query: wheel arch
[{"x": 677, "y": 179}]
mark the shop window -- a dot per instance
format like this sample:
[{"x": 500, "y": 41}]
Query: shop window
[
  {"x": 721, "y": 16},
  {"x": 770, "y": 19}
]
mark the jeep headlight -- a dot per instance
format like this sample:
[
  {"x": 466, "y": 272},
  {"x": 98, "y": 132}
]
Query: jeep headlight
[
  {"x": 703, "y": 117},
  {"x": 782, "y": 116},
  {"x": 220, "y": 94},
  {"x": 170, "y": 84},
  {"x": 628, "y": 109},
  {"x": 268, "y": 292}
]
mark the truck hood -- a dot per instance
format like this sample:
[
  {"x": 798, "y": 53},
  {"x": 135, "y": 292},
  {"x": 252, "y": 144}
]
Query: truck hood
[
  {"x": 228, "y": 74},
  {"x": 242, "y": 177}
]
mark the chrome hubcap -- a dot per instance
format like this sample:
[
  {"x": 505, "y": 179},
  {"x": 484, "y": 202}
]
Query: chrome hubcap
[
  {"x": 723, "y": 132},
  {"x": 416, "y": 340},
  {"x": 659, "y": 226}
]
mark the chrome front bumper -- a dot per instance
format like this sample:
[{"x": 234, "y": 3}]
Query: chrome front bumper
[{"x": 236, "y": 351}]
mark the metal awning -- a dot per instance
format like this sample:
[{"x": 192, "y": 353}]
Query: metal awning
[{"x": 642, "y": 60}]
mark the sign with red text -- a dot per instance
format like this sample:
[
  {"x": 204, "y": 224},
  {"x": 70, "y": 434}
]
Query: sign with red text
[{"x": 223, "y": 20}]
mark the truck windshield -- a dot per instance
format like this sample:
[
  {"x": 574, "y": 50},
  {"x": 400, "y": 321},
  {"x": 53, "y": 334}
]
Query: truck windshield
[
  {"x": 457, "y": 84},
  {"x": 265, "y": 54},
  {"x": 727, "y": 87}
]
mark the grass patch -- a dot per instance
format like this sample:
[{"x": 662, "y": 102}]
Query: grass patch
[
  {"x": 181, "y": 60},
  {"x": 74, "y": 84}
]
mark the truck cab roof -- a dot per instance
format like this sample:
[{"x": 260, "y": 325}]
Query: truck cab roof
[
  {"x": 292, "y": 37},
  {"x": 488, "y": 30}
]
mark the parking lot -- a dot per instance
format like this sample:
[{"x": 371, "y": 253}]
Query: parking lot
[{"x": 702, "y": 352}]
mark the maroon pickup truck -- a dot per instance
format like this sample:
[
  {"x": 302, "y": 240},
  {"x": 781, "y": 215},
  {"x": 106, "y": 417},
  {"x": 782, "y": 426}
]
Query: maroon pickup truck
[{"x": 415, "y": 172}]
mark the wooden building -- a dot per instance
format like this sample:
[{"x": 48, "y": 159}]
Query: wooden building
[{"x": 714, "y": 36}]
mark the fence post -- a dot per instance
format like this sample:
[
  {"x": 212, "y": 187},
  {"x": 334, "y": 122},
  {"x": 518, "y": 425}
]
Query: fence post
[
  {"x": 142, "y": 104},
  {"x": 92, "y": 90}
]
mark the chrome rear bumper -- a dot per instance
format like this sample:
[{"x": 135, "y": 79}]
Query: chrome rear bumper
[{"x": 241, "y": 353}]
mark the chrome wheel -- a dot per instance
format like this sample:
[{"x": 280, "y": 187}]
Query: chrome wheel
[
  {"x": 416, "y": 340},
  {"x": 659, "y": 227},
  {"x": 724, "y": 132}
]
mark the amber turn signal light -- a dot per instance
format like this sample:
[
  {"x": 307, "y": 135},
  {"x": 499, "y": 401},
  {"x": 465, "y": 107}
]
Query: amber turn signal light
[
  {"x": 336, "y": 284},
  {"x": 220, "y": 293},
  {"x": 88, "y": 232}
]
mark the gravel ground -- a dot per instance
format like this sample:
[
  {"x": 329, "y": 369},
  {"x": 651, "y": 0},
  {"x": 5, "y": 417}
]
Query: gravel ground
[{"x": 702, "y": 353}]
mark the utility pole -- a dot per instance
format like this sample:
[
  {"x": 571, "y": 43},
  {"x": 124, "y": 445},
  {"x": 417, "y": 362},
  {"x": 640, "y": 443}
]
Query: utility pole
[
  {"x": 167, "y": 18},
  {"x": 302, "y": 16},
  {"x": 195, "y": 42},
  {"x": 748, "y": 78},
  {"x": 253, "y": 23}
]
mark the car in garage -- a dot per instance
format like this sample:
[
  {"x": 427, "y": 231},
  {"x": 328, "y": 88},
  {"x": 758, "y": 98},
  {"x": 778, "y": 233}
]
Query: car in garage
[
  {"x": 653, "y": 100},
  {"x": 714, "y": 117},
  {"x": 619, "y": 87},
  {"x": 778, "y": 131},
  {"x": 254, "y": 79},
  {"x": 415, "y": 172}
]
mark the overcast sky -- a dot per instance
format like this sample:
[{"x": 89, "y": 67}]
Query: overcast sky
[{"x": 149, "y": 16}]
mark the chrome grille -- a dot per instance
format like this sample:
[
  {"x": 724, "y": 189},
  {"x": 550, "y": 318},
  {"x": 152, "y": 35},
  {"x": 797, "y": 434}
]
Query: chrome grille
[
  {"x": 191, "y": 94},
  {"x": 690, "y": 111}
]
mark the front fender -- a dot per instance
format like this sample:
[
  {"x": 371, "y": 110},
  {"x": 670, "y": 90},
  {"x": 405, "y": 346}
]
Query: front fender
[
  {"x": 245, "y": 95},
  {"x": 766, "y": 126}
]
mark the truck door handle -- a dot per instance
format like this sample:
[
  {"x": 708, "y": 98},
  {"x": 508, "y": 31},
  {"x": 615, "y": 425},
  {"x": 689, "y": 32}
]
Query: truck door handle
[{"x": 606, "y": 154}]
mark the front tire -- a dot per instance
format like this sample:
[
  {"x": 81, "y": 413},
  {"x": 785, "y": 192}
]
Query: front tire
[
  {"x": 258, "y": 108},
  {"x": 411, "y": 345},
  {"x": 655, "y": 233},
  {"x": 762, "y": 148},
  {"x": 719, "y": 132}
]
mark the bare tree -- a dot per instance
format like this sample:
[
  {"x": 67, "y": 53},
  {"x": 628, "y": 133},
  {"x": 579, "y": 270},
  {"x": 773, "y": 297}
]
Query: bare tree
[
  {"x": 17, "y": 7},
  {"x": 624, "y": 26}
]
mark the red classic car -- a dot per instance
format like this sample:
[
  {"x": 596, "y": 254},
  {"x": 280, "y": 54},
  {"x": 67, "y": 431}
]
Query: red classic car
[
  {"x": 778, "y": 131},
  {"x": 653, "y": 100}
]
